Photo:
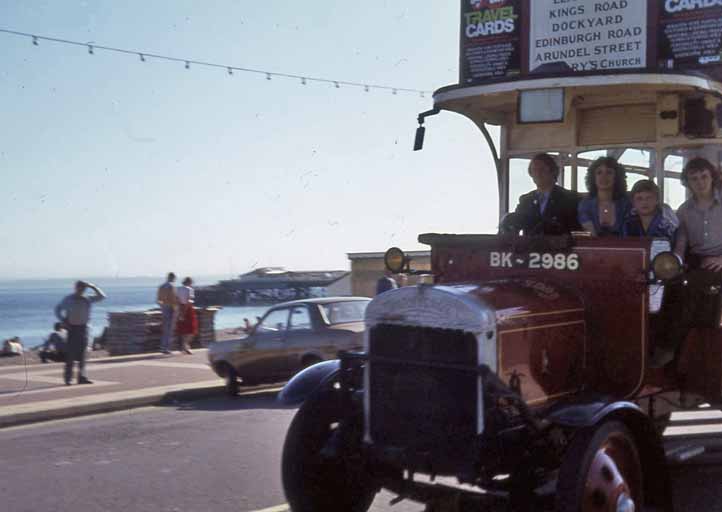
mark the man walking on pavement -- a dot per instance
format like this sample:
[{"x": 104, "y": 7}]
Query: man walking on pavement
[
  {"x": 168, "y": 301},
  {"x": 74, "y": 312}
]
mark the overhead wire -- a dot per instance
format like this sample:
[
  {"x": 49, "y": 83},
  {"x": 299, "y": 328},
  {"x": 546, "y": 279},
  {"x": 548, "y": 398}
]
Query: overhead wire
[{"x": 145, "y": 56}]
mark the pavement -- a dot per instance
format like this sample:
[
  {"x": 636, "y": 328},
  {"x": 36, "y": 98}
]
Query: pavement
[{"x": 38, "y": 392}]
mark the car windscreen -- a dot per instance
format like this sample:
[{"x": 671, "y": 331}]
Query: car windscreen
[{"x": 347, "y": 311}]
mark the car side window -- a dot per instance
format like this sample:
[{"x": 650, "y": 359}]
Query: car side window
[
  {"x": 300, "y": 319},
  {"x": 274, "y": 322}
]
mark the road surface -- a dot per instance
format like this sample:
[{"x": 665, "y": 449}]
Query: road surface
[{"x": 213, "y": 455}]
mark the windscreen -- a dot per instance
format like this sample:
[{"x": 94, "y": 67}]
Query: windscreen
[{"x": 343, "y": 312}]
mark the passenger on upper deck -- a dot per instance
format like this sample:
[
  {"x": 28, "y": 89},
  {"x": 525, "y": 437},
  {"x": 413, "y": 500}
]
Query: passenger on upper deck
[
  {"x": 602, "y": 213},
  {"x": 550, "y": 209},
  {"x": 647, "y": 217},
  {"x": 699, "y": 238},
  {"x": 699, "y": 241}
]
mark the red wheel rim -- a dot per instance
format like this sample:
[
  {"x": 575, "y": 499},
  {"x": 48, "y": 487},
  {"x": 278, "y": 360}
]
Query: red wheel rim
[{"x": 613, "y": 482}]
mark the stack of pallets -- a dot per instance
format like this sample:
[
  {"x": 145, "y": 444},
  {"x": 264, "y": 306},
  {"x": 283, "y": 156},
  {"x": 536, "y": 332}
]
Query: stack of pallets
[
  {"x": 135, "y": 332},
  {"x": 206, "y": 326}
]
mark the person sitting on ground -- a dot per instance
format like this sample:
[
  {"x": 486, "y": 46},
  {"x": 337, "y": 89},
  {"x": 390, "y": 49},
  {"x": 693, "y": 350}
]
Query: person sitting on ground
[
  {"x": 550, "y": 209},
  {"x": 54, "y": 347},
  {"x": 603, "y": 211},
  {"x": 699, "y": 244},
  {"x": 647, "y": 217},
  {"x": 12, "y": 347}
]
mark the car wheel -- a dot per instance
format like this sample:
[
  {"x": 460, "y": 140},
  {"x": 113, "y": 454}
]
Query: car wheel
[
  {"x": 601, "y": 471},
  {"x": 318, "y": 482},
  {"x": 231, "y": 381}
]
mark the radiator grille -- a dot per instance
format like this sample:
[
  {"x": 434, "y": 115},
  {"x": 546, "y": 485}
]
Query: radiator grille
[{"x": 421, "y": 408}]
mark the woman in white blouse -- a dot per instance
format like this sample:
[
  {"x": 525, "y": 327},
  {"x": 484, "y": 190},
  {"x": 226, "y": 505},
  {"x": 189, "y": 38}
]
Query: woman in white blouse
[{"x": 187, "y": 326}]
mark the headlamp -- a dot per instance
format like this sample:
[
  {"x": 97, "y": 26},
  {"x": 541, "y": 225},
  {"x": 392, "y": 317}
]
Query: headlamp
[
  {"x": 666, "y": 265},
  {"x": 395, "y": 259}
]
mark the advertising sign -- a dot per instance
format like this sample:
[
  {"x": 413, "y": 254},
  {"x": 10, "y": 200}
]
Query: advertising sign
[
  {"x": 490, "y": 40},
  {"x": 504, "y": 40},
  {"x": 587, "y": 35},
  {"x": 690, "y": 36}
]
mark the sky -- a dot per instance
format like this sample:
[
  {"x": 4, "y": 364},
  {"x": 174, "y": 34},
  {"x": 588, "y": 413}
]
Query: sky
[{"x": 115, "y": 167}]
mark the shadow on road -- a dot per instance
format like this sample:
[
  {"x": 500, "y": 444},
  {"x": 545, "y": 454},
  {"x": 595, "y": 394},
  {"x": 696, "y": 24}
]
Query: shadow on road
[{"x": 261, "y": 400}]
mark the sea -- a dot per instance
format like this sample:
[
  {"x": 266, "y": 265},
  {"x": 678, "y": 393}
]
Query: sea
[{"x": 26, "y": 306}]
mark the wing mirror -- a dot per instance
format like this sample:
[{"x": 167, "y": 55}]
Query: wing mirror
[{"x": 421, "y": 130}]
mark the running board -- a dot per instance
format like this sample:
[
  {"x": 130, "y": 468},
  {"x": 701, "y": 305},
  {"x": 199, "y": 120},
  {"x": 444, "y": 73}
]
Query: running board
[{"x": 684, "y": 453}]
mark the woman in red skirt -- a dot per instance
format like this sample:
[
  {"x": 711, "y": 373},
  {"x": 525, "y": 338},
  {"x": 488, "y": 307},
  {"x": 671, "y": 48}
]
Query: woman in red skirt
[{"x": 187, "y": 326}]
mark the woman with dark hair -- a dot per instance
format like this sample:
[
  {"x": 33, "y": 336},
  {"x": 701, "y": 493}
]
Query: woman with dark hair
[
  {"x": 187, "y": 326},
  {"x": 603, "y": 211}
]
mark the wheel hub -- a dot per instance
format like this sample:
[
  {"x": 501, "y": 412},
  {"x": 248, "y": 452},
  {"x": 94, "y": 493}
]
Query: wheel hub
[{"x": 607, "y": 488}]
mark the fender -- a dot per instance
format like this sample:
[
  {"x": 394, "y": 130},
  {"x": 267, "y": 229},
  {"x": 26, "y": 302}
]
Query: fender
[
  {"x": 307, "y": 381},
  {"x": 649, "y": 443},
  {"x": 587, "y": 414}
]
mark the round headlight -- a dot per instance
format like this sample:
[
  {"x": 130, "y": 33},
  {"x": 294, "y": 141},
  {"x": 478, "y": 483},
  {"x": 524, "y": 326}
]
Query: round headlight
[
  {"x": 666, "y": 265},
  {"x": 394, "y": 259}
]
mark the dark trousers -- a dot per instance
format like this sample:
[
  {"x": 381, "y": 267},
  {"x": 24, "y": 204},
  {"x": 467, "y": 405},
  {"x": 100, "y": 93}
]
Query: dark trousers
[
  {"x": 697, "y": 303},
  {"x": 76, "y": 348}
]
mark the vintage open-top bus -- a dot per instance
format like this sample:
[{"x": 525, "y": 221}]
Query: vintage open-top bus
[{"x": 520, "y": 367}]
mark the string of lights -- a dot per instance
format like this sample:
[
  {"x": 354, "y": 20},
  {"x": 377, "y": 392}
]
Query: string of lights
[{"x": 144, "y": 56}]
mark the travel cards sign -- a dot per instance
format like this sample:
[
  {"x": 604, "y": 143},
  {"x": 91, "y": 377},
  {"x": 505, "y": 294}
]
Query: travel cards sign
[{"x": 507, "y": 39}]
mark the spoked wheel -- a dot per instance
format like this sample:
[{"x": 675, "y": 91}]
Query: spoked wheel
[
  {"x": 601, "y": 472},
  {"x": 313, "y": 479}
]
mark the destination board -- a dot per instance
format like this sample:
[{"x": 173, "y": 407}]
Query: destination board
[
  {"x": 587, "y": 35},
  {"x": 505, "y": 40}
]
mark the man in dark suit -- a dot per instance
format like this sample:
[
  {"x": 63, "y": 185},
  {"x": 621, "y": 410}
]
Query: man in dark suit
[{"x": 550, "y": 209}]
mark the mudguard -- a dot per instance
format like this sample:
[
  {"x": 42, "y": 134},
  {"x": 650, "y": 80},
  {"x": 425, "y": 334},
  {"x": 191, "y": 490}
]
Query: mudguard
[
  {"x": 657, "y": 486},
  {"x": 307, "y": 381},
  {"x": 590, "y": 413}
]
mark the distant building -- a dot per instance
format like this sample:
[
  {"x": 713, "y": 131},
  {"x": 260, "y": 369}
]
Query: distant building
[
  {"x": 368, "y": 267},
  {"x": 268, "y": 285}
]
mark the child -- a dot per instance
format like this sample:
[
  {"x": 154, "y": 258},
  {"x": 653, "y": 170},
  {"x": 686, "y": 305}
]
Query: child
[{"x": 647, "y": 218}]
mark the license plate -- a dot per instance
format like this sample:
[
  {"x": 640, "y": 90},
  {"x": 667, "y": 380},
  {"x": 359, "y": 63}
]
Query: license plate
[{"x": 535, "y": 260}]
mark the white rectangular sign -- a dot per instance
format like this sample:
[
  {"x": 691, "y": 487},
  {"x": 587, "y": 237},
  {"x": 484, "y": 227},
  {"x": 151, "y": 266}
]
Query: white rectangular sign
[{"x": 587, "y": 35}]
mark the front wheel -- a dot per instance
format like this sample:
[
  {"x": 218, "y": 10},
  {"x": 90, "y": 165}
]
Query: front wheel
[
  {"x": 318, "y": 482},
  {"x": 601, "y": 472},
  {"x": 231, "y": 381}
]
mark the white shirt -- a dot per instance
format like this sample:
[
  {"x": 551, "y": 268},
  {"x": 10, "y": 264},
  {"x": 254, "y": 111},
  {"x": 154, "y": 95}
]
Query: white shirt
[{"x": 185, "y": 294}]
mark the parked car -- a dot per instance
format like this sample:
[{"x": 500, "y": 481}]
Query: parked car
[{"x": 290, "y": 337}]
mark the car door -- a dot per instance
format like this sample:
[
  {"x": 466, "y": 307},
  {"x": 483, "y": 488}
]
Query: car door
[
  {"x": 266, "y": 354},
  {"x": 300, "y": 337}
]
